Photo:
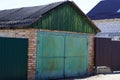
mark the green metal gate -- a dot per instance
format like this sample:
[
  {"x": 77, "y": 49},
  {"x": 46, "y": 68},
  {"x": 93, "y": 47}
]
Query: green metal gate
[
  {"x": 61, "y": 55},
  {"x": 13, "y": 58}
]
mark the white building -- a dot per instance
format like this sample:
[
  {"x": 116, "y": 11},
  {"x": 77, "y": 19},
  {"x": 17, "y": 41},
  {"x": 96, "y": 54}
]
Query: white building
[{"x": 106, "y": 15}]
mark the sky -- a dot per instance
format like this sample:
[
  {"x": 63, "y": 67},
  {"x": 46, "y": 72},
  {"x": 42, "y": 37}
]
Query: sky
[{"x": 84, "y": 5}]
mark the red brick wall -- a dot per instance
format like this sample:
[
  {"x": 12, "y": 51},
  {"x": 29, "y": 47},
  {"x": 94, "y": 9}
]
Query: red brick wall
[
  {"x": 31, "y": 34},
  {"x": 91, "y": 55}
]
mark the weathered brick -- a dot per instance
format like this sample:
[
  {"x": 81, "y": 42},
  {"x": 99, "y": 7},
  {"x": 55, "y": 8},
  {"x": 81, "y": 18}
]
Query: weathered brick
[
  {"x": 31, "y": 34},
  {"x": 91, "y": 55}
]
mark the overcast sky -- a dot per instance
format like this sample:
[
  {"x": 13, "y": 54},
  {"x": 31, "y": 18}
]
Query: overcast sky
[{"x": 85, "y": 5}]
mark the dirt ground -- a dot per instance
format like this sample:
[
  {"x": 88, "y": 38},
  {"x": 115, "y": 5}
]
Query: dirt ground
[{"x": 103, "y": 77}]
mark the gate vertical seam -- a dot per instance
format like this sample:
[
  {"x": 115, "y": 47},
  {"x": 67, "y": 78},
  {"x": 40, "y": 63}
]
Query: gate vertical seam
[{"x": 64, "y": 56}]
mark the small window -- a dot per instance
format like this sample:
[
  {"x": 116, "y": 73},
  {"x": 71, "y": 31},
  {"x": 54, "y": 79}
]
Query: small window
[
  {"x": 118, "y": 11},
  {"x": 116, "y": 38}
]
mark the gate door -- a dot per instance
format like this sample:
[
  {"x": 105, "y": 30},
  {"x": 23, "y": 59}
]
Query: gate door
[
  {"x": 61, "y": 55},
  {"x": 50, "y": 56},
  {"x": 13, "y": 58},
  {"x": 76, "y": 54}
]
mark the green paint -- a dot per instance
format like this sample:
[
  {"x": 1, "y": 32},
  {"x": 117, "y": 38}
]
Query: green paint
[
  {"x": 61, "y": 55},
  {"x": 76, "y": 56},
  {"x": 76, "y": 66},
  {"x": 50, "y": 56},
  {"x": 65, "y": 18},
  {"x": 76, "y": 45},
  {"x": 13, "y": 59},
  {"x": 51, "y": 46},
  {"x": 49, "y": 68}
]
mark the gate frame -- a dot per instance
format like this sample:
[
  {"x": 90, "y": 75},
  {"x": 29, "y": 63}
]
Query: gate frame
[{"x": 84, "y": 35}]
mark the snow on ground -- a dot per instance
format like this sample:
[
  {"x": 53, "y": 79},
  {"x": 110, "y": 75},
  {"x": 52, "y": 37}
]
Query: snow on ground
[{"x": 103, "y": 77}]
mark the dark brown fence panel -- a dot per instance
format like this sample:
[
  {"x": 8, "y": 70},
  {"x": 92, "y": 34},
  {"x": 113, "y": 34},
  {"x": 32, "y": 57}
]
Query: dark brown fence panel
[
  {"x": 107, "y": 53},
  {"x": 115, "y": 55}
]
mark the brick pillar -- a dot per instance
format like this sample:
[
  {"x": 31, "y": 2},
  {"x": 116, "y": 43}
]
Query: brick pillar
[{"x": 91, "y": 55}]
